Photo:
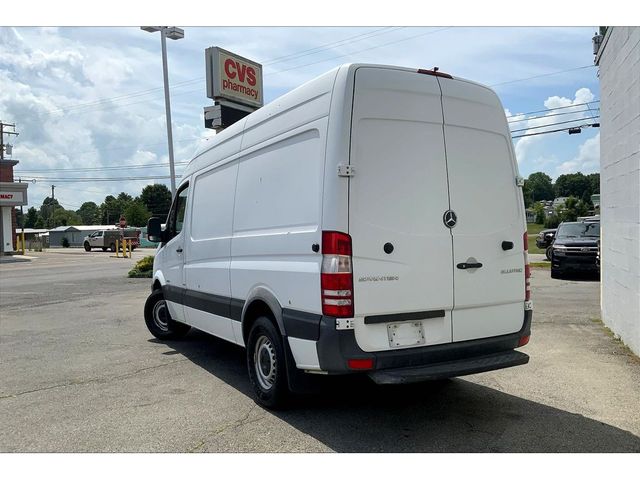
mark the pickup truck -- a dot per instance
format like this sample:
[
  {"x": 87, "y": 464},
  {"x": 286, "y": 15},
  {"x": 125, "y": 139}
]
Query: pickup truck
[{"x": 106, "y": 239}]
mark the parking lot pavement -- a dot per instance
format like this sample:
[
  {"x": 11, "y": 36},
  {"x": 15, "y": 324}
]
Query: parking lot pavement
[{"x": 81, "y": 373}]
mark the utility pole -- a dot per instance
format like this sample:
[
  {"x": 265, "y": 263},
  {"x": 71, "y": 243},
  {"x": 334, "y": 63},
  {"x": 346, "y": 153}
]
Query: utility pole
[
  {"x": 53, "y": 207},
  {"x": 3, "y": 133}
]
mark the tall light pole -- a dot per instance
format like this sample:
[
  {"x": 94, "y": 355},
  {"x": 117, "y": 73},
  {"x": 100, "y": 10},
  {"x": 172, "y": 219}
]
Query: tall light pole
[{"x": 174, "y": 33}]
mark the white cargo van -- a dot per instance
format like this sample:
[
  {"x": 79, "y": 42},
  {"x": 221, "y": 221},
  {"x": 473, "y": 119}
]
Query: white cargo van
[{"x": 368, "y": 221}]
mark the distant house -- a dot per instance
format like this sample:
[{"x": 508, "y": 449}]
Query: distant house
[
  {"x": 74, "y": 234},
  {"x": 559, "y": 201},
  {"x": 531, "y": 216}
]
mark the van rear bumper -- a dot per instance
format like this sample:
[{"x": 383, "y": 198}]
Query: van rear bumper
[
  {"x": 336, "y": 347},
  {"x": 454, "y": 368}
]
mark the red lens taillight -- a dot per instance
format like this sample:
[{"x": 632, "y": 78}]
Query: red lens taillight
[
  {"x": 336, "y": 277},
  {"x": 527, "y": 268}
]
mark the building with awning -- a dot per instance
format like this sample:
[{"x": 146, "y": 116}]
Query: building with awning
[{"x": 12, "y": 194}]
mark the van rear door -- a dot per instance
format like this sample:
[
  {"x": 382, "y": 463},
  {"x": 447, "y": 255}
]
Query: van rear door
[
  {"x": 488, "y": 300},
  {"x": 402, "y": 252}
]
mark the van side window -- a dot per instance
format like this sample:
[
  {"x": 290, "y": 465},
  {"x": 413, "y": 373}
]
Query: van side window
[{"x": 176, "y": 220}]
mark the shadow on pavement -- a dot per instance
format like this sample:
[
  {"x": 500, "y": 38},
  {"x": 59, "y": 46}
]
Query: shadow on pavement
[{"x": 354, "y": 415}]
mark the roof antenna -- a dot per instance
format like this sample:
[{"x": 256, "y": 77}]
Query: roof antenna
[{"x": 435, "y": 69}]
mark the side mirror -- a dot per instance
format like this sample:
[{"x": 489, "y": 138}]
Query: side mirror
[{"x": 154, "y": 230}]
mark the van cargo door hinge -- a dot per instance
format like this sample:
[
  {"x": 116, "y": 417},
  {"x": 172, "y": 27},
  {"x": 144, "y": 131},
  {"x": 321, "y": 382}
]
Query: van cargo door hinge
[
  {"x": 346, "y": 171},
  {"x": 519, "y": 181}
]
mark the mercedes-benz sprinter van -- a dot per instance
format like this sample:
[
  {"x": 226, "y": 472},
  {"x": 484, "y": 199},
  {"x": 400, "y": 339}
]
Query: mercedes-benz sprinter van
[{"x": 369, "y": 221}]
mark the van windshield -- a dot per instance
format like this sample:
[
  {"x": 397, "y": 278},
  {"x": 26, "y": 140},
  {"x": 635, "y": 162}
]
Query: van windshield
[{"x": 574, "y": 230}]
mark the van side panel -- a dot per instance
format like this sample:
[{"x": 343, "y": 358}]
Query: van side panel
[
  {"x": 277, "y": 220},
  {"x": 488, "y": 301},
  {"x": 208, "y": 251}
]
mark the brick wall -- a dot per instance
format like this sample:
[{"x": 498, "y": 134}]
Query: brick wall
[
  {"x": 620, "y": 183},
  {"x": 6, "y": 173}
]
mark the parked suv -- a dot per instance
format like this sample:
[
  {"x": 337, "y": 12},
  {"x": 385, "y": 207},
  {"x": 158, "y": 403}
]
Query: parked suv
[{"x": 575, "y": 248}]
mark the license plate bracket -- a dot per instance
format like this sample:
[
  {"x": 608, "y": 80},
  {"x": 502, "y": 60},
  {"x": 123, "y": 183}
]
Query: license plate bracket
[{"x": 405, "y": 334}]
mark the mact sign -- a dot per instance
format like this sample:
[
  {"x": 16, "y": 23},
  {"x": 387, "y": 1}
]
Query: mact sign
[{"x": 232, "y": 77}]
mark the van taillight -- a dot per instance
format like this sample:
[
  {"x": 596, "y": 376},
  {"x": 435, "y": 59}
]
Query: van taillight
[
  {"x": 527, "y": 268},
  {"x": 336, "y": 277}
]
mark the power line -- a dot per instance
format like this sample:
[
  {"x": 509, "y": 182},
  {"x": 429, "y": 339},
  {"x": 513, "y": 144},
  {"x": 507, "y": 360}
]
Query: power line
[
  {"x": 543, "y": 75},
  {"x": 358, "y": 51},
  {"x": 553, "y": 131},
  {"x": 552, "y": 115},
  {"x": 93, "y": 169},
  {"x": 554, "y": 108},
  {"x": 99, "y": 179},
  {"x": 302, "y": 53},
  {"x": 312, "y": 51},
  {"x": 554, "y": 124}
]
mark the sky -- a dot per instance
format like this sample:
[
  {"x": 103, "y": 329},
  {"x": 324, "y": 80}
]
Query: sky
[{"x": 92, "y": 97}]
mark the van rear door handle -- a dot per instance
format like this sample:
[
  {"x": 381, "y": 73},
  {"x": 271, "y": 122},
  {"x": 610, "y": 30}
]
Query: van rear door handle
[
  {"x": 179, "y": 250},
  {"x": 465, "y": 266}
]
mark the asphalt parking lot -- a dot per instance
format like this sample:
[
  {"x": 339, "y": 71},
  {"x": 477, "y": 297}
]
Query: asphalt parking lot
[{"x": 79, "y": 372}]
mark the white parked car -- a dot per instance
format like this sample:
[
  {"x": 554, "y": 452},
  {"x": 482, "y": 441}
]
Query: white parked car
[{"x": 369, "y": 221}]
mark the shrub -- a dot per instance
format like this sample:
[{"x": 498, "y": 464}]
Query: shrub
[
  {"x": 552, "y": 221},
  {"x": 65, "y": 242},
  {"x": 143, "y": 268}
]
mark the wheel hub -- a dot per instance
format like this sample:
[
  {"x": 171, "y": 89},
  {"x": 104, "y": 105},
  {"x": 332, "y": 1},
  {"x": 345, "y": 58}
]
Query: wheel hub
[
  {"x": 264, "y": 360},
  {"x": 161, "y": 316}
]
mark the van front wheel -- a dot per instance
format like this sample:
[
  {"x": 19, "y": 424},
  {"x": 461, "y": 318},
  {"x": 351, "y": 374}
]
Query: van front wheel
[
  {"x": 159, "y": 321},
  {"x": 87, "y": 247},
  {"x": 266, "y": 364}
]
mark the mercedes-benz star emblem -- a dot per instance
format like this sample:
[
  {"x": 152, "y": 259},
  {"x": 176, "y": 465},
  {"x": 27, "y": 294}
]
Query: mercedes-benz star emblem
[{"x": 449, "y": 218}]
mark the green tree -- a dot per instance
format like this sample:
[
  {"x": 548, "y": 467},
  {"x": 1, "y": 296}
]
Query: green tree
[
  {"x": 48, "y": 206},
  {"x": 137, "y": 214},
  {"x": 572, "y": 184},
  {"x": 157, "y": 199},
  {"x": 538, "y": 210},
  {"x": 89, "y": 212},
  {"x": 31, "y": 218},
  {"x": 572, "y": 209},
  {"x": 594, "y": 182},
  {"x": 66, "y": 217},
  {"x": 540, "y": 186},
  {"x": 113, "y": 208}
]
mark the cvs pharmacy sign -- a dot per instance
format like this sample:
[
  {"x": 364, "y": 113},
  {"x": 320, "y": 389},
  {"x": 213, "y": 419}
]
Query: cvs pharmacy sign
[{"x": 232, "y": 77}]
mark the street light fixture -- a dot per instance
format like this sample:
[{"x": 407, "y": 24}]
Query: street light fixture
[{"x": 173, "y": 33}]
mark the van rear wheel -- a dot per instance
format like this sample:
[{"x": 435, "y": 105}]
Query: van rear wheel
[
  {"x": 266, "y": 364},
  {"x": 112, "y": 247},
  {"x": 159, "y": 321}
]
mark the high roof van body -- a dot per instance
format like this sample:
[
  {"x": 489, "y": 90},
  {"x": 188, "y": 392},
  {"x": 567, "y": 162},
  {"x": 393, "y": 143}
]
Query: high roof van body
[{"x": 369, "y": 221}]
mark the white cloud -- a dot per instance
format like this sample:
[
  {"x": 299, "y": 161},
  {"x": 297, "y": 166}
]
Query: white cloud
[
  {"x": 586, "y": 161},
  {"x": 571, "y": 110}
]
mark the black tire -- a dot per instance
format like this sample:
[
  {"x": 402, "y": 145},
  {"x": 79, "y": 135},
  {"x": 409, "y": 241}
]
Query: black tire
[
  {"x": 159, "y": 321},
  {"x": 87, "y": 247},
  {"x": 548, "y": 252},
  {"x": 112, "y": 247},
  {"x": 266, "y": 365},
  {"x": 104, "y": 249}
]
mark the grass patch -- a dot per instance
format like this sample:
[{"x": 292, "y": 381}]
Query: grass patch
[
  {"x": 533, "y": 248},
  {"x": 534, "y": 228},
  {"x": 143, "y": 268},
  {"x": 546, "y": 265}
]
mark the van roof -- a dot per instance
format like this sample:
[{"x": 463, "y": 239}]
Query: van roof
[{"x": 290, "y": 99}]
